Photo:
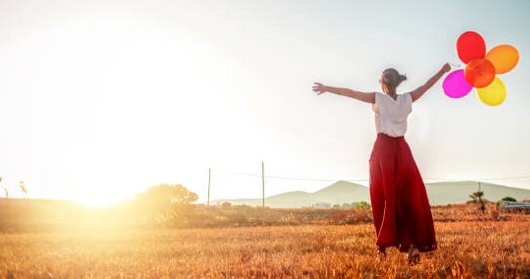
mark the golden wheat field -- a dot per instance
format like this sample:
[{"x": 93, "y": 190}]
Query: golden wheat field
[{"x": 467, "y": 249}]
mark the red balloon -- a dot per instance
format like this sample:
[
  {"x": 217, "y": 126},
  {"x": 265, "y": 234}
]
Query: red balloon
[
  {"x": 470, "y": 45},
  {"x": 479, "y": 72}
]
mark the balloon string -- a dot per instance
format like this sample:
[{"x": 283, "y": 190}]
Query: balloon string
[{"x": 456, "y": 65}]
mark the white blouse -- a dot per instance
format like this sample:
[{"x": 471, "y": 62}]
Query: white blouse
[{"x": 391, "y": 115}]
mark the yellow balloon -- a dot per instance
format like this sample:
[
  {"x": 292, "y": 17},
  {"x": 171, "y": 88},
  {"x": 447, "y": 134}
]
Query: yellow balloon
[
  {"x": 493, "y": 94},
  {"x": 503, "y": 57}
]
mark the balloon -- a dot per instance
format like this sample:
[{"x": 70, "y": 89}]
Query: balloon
[
  {"x": 455, "y": 85},
  {"x": 479, "y": 72},
  {"x": 470, "y": 45},
  {"x": 493, "y": 94},
  {"x": 503, "y": 57}
]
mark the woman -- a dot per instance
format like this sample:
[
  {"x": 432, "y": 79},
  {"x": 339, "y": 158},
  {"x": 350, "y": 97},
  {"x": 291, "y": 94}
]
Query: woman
[{"x": 400, "y": 207}]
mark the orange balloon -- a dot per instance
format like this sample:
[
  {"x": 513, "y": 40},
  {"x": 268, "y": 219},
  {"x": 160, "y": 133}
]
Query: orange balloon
[
  {"x": 479, "y": 72},
  {"x": 503, "y": 57}
]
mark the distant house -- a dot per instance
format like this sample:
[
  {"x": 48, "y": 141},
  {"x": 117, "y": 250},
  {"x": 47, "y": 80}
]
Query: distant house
[
  {"x": 322, "y": 205},
  {"x": 509, "y": 206}
]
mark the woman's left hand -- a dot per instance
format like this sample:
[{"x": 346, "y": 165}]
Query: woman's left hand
[
  {"x": 446, "y": 68},
  {"x": 319, "y": 88}
]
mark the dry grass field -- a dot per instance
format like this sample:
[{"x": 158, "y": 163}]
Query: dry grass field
[{"x": 467, "y": 249}]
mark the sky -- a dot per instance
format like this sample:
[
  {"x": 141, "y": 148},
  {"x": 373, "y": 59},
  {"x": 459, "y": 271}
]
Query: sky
[{"x": 100, "y": 100}]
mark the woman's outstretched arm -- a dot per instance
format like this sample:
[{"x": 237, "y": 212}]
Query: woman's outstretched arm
[
  {"x": 319, "y": 88},
  {"x": 416, "y": 94}
]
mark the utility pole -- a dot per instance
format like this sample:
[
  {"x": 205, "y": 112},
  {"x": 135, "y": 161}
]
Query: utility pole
[
  {"x": 263, "y": 183},
  {"x": 209, "y": 181}
]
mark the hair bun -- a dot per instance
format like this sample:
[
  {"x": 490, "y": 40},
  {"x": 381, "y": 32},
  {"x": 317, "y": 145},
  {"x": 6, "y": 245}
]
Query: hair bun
[{"x": 392, "y": 78}]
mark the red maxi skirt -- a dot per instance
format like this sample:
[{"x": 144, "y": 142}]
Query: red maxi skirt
[{"x": 400, "y": 207}]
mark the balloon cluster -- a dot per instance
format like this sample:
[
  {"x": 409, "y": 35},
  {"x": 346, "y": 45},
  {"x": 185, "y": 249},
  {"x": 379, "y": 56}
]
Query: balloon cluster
[{"x": 481, "y": 69}]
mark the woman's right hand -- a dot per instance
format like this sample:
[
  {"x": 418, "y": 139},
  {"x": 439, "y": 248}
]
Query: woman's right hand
[{"x": 319, "y": 88}]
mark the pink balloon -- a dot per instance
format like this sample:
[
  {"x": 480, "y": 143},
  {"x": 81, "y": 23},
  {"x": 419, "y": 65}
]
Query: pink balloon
[{"x": 455, "y": 85}]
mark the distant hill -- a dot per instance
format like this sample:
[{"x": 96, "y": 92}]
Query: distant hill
[
  {"x": 340, "y": 192},
  {"x": 458, "y": 192}
]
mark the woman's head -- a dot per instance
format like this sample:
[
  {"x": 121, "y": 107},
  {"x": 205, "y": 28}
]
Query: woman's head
[{"x": 390, "y": 80}]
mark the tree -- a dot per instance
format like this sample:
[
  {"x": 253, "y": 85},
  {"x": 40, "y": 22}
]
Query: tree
[
  {"x": 2, "y": 186},
  {"x": 509, "y": 199},
  {"x": 23, "y": 188},
  {"x": 4, "y": 189},
  {"x": 226, "y": 205},
  {"x": 165, "y": 205},
  {"x": 478, "y": 197},
  {"x": 167, "y": 194},
  {"x": 361, "y": 205}
]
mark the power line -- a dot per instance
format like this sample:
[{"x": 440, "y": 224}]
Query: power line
[
  {"x": 288, "y": 177},
  {"x": 360, "y": 180},
  {"x": 505, "y": 178},
  {"x": 315, "y": 179},
  {"x": 480, "y": 178}
]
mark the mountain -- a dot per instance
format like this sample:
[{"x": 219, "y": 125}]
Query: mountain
[
  {"x": 340, "y": 192},
  {"x": 458, "y": 192}
]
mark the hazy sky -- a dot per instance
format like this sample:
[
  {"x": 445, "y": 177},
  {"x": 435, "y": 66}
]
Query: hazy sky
[{"x": 102, "y": 99}]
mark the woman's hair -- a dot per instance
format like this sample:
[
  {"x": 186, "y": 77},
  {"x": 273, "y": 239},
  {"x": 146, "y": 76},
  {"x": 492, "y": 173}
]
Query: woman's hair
[{"x": 391, "y": 78}]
